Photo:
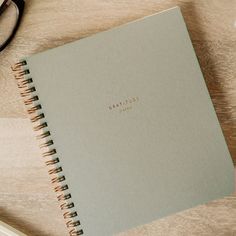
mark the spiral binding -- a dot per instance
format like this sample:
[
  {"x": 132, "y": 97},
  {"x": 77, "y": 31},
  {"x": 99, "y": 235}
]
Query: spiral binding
[{"x": 37, "y": 117}]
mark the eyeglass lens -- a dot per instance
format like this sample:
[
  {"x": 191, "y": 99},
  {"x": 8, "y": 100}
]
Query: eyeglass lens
[{"x": 8, "y": 18}]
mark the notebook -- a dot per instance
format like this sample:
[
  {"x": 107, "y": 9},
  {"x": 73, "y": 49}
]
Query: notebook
[{"x": 126, "y": 125}]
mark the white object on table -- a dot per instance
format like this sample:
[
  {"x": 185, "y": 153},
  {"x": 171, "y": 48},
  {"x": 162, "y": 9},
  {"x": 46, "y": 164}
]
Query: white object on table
[{"x": 6, "y": 230}]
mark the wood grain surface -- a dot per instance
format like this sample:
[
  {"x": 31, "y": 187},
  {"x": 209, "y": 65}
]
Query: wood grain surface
[{"x": 27, "y": 200}]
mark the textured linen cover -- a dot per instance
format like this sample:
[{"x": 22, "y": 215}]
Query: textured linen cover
[{"x": 133, "y": 124}]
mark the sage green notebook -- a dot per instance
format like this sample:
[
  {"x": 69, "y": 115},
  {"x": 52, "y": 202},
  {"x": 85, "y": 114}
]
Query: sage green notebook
[{"x": 127, "y": 126}]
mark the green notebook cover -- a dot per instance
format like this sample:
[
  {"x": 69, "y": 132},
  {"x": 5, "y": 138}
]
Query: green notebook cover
[{"x": 132, "y": 124}]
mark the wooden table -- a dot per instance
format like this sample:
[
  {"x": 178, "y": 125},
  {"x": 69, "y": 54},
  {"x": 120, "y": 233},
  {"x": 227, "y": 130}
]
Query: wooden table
[{"x": 27, "y": 200}]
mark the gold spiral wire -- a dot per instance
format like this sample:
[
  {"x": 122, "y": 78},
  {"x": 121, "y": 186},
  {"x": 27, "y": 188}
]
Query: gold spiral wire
[{"x": 27, "y": 92}]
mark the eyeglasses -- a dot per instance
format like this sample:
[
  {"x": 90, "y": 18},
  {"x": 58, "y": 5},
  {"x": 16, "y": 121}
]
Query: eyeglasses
[{"x": 10, "y": 16}]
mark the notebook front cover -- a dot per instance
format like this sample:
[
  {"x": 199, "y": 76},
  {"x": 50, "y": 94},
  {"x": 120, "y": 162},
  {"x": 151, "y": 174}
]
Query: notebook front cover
[{"x": 133, "y": 124}]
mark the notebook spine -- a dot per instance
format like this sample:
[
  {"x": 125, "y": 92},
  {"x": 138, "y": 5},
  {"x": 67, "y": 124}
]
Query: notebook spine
[{"x": 34, "y": 109}]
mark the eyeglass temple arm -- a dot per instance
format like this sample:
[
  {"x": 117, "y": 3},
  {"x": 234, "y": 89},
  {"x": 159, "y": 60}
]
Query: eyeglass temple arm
[{"x": 4, "y": 5}]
